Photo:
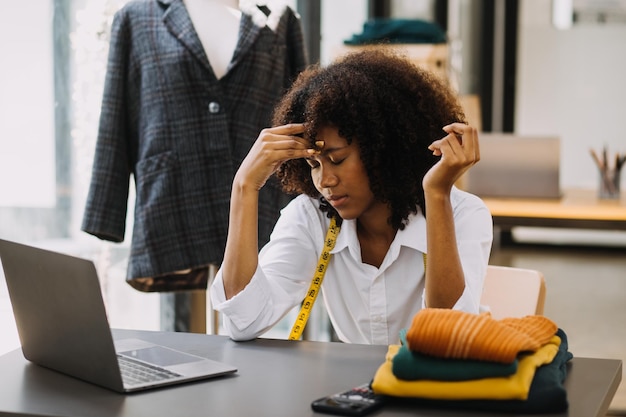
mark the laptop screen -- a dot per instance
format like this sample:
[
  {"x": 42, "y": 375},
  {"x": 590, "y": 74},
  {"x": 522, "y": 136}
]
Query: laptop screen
[{"x": 514, "y": 166}]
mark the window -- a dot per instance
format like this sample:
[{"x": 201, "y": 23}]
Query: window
[{"x": 54, "y": 63}]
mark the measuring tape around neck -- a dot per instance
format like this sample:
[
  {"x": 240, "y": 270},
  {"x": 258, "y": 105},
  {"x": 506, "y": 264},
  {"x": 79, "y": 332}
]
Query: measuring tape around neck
[
  {"x": 318, "y": 277},
  {"x": 316, "y": 283}
]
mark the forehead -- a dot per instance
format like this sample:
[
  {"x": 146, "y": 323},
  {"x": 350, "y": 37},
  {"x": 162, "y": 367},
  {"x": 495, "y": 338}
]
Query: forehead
[{"x": 331, "y": 138}]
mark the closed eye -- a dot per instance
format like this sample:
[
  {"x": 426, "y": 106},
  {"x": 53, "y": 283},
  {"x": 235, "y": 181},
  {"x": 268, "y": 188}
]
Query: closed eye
[{"x": 314, "y": 163}]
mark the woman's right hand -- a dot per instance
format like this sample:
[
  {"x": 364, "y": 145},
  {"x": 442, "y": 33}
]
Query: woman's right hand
[{"x": 273, "y": 147}]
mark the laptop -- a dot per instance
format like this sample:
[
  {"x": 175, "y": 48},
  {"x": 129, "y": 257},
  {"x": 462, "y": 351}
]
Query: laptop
[
  {"x": 62, "y": 325},
  {"x": 514, "y": 166}
]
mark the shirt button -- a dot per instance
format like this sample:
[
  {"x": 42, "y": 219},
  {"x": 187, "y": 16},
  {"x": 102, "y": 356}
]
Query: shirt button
[{"x": 214, "y": 107}]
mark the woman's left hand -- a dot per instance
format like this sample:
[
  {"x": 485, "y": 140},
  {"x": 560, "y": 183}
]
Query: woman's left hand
[{"x": 459, "y": 150}]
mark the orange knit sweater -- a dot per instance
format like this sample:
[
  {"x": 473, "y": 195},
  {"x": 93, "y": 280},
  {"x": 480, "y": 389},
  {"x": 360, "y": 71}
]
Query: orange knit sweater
[{"x": 456, "y": 334}]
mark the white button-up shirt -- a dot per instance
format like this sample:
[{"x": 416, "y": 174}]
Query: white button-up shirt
[{"x": 365, "y": 304}]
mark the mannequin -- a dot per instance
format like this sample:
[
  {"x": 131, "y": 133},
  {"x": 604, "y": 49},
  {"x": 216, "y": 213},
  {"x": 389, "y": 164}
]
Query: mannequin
[
  {"x": 225, "y": 17},
  {"x": 189, "y": 85}
]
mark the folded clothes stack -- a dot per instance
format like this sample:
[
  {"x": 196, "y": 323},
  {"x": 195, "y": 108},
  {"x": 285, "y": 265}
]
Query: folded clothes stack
[{"x": 454, "y": 359}]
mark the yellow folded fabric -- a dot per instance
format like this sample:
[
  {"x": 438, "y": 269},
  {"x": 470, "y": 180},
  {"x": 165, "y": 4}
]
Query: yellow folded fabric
[
  {"x": 513, "y": 387},
  {"x": 457, "y": 334}
]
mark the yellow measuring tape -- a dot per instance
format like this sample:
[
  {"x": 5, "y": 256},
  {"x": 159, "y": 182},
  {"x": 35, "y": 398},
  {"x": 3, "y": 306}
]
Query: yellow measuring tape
[{"x": 316, "y": 283}]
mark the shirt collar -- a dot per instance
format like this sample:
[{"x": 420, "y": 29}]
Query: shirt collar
[{"x": 413, "y": 236}]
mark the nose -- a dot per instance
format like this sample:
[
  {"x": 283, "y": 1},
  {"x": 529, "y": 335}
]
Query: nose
[{"x": 327, "y": 178}]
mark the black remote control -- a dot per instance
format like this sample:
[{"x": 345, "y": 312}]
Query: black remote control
[{"x": 358, "y": 401}]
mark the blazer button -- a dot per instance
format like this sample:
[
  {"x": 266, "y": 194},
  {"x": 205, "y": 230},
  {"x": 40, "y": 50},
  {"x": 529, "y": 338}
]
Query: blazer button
[{"x": 214, "y": 107}]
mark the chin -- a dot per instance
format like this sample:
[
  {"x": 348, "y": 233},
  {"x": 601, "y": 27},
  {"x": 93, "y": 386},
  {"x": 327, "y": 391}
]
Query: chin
[{"x": 346, "y": 215}]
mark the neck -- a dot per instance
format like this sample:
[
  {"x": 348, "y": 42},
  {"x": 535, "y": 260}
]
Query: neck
[
  {"x": 228, "y": 3},
  {"x": 375, "y": 234},
  {"x": 216, "y": 20},
  {"x": 374, "y": 221},
  {"x": 375, "y": 230}
]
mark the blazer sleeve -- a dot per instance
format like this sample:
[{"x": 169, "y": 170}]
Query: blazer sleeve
[{"x": 107, "y": 200}]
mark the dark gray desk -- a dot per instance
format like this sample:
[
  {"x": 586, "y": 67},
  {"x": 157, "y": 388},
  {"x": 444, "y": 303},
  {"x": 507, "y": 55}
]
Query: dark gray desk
[{"x": 276, "y": 378}]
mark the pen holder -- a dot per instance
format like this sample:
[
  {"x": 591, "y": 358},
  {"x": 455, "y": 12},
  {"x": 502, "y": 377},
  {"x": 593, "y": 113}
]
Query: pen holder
[{"x": 609, "y": 184}]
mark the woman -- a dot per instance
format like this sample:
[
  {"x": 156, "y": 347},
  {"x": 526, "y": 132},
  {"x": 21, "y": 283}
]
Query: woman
[{"x": 378, "y": 144}]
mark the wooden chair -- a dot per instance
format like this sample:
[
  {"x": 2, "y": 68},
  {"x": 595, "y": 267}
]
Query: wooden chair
[{"x": 513, "y": 292}]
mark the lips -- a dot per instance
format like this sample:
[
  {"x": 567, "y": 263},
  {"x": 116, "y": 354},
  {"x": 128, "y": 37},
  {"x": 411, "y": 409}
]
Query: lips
[{"x": 336, "y": 200}]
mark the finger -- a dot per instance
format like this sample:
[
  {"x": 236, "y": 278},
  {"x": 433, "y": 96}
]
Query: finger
[
  {"x": 452, "y": 151},
  {"x": 456, "y": 130},
  {"x": 444, "y": 145},
  {"x": 450, "y": 147},
  {"x": 468, "y": 138},
  {"x": 279, "y": 138},
  {"x": 476, "y": 145},
  {"x": 291, "y": 129},
  {"x": 457, "y": 127},
  {"x": 435, "y": 147},
  {"x": 277, "y": 148},
  {"x": 470, "y": 142}
]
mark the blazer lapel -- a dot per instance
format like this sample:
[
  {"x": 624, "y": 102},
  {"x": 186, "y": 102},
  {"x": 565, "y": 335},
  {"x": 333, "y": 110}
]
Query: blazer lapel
[
  {"x": 252, "y": 21},
  {"x": 177, "y": 21}
]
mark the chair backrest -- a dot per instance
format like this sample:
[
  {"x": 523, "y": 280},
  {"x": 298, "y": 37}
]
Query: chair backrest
[{"x": 513, "y": 292}]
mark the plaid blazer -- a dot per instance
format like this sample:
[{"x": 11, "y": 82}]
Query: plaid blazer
[{"x": 182, "y": 133}]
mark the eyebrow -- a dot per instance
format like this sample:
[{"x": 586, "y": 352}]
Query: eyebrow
[
  {"x": 331, "y": 150},
  {"x": 325, "y": 152}
]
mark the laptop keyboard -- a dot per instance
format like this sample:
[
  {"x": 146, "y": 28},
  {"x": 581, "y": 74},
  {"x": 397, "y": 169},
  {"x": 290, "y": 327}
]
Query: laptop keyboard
[{"x": 135, "y": 372}]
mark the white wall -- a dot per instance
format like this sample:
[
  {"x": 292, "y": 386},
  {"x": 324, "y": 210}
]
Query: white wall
[
  {"x": 339, "y": 21},
  {"x": 571, "y": 83},
  {"x": 27, "y": 167}
]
